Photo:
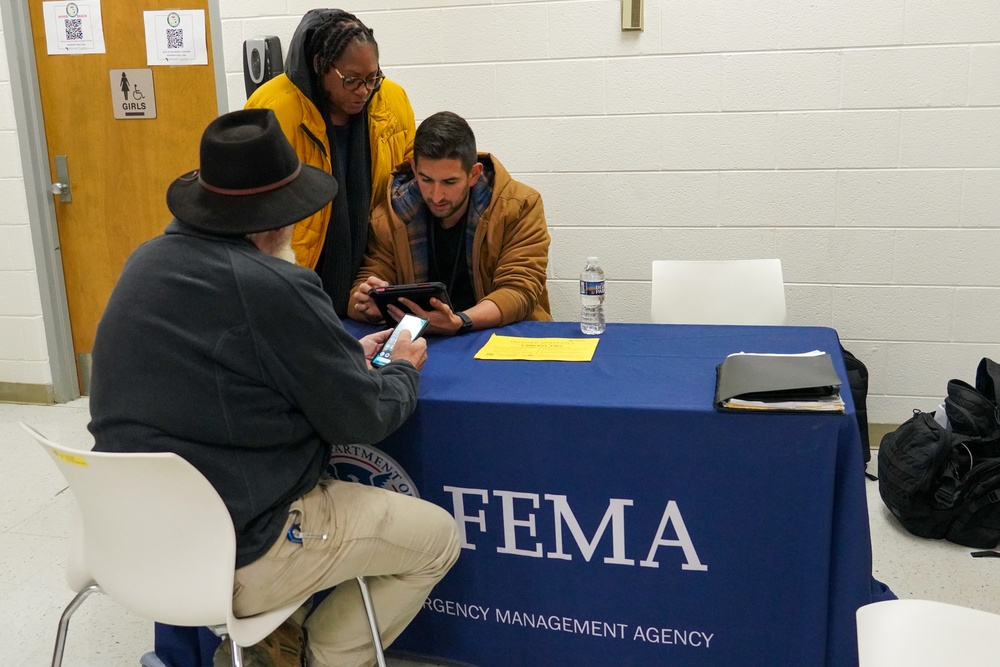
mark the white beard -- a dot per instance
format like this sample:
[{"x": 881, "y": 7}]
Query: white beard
[
  {"x": 285, "y": 252},
  {"x": 277, "y": 243}
]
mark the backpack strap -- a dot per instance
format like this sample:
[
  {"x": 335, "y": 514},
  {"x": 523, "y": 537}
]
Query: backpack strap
[
  {"x": 988, "y": 379},
  {"x": 987, "y": 499}
]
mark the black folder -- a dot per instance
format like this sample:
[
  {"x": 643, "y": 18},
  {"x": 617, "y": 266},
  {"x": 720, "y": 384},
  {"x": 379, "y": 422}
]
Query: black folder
[{"x": 778, "y": 382}]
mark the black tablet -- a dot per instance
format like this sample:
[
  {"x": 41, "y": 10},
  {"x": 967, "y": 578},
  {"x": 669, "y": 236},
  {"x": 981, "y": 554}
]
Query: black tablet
[{"x": 419, "y": 293}]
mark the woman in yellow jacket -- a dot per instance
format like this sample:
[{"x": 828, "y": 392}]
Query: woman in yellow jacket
[{"x": 342, "y": 115}]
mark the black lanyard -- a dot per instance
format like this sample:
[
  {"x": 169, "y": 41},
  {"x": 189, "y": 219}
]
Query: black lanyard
[{"x": 431, "y": 227}]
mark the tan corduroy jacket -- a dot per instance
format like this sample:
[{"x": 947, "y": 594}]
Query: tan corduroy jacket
[{"x": 509, "y": 255}]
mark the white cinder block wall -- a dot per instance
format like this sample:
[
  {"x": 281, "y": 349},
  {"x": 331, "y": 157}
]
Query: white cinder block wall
[
  {"x": 24, "y": 357},
  {"x": 856, "y": 140}
]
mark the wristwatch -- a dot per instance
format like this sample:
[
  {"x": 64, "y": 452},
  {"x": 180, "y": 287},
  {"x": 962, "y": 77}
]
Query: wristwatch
[{"x": 466, "y": 323}]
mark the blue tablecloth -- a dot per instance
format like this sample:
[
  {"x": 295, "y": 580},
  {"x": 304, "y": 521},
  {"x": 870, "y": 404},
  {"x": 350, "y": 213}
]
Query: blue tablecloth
[{"x": 611, "y": 516}]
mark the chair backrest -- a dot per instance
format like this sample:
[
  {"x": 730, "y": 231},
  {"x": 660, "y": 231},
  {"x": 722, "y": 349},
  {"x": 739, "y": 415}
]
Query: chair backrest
[
  {"x": 744, "y": 291},
  {"x": 155, "y": 534},
  {"x": 923, "y": 633}
]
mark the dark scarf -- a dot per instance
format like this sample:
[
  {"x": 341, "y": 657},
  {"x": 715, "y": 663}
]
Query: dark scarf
[
  {"x": 347, "y": 233},
  {"x": 408, "y": 204}
]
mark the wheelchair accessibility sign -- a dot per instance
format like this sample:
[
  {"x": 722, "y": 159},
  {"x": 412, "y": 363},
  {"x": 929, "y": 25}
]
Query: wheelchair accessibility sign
[{"x": 132, "y": 93}]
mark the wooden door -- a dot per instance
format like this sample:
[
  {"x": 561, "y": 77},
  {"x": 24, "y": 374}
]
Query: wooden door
[{"x": 119, "y": 169}]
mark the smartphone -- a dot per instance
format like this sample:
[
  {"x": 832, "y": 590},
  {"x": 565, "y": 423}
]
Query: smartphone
[{"x": 415, "y": 325}]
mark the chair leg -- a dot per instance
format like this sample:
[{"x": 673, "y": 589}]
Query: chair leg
[
  {"x": 372, "y": 624},
  {"x": 237, "y": 652},
  {"x": 57, "y": 653}
]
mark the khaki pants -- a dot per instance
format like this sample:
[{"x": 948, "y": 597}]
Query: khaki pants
[{"x": 402, "y": 546}]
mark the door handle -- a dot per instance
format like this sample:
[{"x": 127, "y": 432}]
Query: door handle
[{"x": 62, "y": 187}]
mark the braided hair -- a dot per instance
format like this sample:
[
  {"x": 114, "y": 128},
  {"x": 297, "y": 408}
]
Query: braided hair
[{"x": 329, "y": 40}]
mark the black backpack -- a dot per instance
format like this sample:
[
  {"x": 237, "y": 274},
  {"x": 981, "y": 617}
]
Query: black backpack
[
  {"x": 945, "y": 482},
  {"x": 857, "y": 379}
]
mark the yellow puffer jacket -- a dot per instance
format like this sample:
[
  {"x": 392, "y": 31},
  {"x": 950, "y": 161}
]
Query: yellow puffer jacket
[{"x": 391, "y": 127}]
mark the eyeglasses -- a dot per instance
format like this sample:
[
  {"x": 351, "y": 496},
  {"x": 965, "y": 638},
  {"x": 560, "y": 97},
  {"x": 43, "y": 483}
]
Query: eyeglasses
[{"x": 354, "y": 82}]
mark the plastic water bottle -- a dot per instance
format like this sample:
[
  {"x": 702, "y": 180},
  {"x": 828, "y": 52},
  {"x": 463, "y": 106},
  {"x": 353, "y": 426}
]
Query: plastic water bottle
[{"x": 592, "y": 298}]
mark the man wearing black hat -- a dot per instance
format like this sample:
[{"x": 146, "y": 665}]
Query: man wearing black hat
[{"x": 215, "y": 348}]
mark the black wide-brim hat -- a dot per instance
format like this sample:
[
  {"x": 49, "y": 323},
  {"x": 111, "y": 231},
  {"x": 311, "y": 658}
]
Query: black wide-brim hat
[{"x": 250, "y": 179}]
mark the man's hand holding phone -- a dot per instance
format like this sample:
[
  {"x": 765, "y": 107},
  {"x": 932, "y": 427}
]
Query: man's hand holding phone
[
  {"x": 404, "y": 343},
  {"x": 414, "y": 351}
]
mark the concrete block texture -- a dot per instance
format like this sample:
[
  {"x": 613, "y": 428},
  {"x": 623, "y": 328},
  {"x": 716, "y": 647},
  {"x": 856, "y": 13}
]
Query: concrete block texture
[
  {"x": 15, "y": 207},
  {"x": 16, "y": 249},
  {"x": 27, "y": 372},
  {"x": 19, "y": 294},
  {"x": 922, "y": 369},
  {"x": 781, "y": 81},
  {"x": 730, "y": 141},
  {"x": 976, "y": 314},
  {"x": 250, "y": 8},
  {"x": 900, "y": 198},
  {"x": 958, "y": 257},
  {"x": 835, "y": 256},
  {"x": 755, "y": 25},
  {"x": 894, "y": 313},
  {"x": 857, "y": 140},
  {"x": 6, "y": 106},
  {"x": 4, "y": 68},
  {"x": 946, "y": 21},
  {"x": 416, "y": 37},
  {"x": 10, "y": 156},
  {"x": 949, "y": 138},
  {"x": 837, "y": 140},
  {"x": 981, "y": 198},
  {"x": 778, "y": 198},
  {"x": 520, "y": 144},
  {"x": 984, "y": 75},
  {"x": 553, "y": 88},
  {"x": 468, "y": 90},
  {"x": 473, "y": 31},
  {"x": 583, "y": 28},
  {"x": 628, "y": 200},
  {"x": 905, "y": 77},
  {"x": 663, "y": 84}
]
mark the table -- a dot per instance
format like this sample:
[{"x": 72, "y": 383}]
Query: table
[{"x": 611, "y": 516}]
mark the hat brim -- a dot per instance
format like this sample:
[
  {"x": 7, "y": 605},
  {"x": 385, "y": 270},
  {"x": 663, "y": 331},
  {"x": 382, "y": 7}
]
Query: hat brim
[{"x": 236, "y": 215}]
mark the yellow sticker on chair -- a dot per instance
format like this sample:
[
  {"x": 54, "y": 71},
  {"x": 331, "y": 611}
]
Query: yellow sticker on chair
[{"x": 72, "y": 458}]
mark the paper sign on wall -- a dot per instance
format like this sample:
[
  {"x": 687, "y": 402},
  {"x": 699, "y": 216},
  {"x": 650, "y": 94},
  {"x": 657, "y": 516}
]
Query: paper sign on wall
[
  {"x": 176, "y": 37},
  {"x": 73, "y": 28}
]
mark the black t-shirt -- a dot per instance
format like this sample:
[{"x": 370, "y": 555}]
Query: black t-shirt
[{"x": 448, "y": 263}]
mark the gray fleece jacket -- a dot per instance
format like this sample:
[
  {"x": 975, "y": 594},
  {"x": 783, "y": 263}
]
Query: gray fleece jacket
[{"x": 236, "y": 361}]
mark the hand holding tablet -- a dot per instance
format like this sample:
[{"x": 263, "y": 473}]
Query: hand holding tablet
[{"x": 418, "y": 293}]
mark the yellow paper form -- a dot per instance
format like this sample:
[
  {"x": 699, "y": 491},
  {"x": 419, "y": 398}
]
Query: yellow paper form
[{"x": 511, "y": 348}]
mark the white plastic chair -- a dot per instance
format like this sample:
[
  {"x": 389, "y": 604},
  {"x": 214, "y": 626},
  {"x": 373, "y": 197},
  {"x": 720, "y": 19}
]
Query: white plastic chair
[
  {"x": 922, "y": 633},
  {"x": 155, "y": 536},
  {"x": 742, "y": 291}
]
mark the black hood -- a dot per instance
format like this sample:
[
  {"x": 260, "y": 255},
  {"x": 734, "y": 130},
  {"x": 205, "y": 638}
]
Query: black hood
[{"x": 298, "y": 63}]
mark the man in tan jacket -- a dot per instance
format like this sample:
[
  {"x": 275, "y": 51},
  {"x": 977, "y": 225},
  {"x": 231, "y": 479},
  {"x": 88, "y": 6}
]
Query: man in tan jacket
[{"x": 457, "y": 217}]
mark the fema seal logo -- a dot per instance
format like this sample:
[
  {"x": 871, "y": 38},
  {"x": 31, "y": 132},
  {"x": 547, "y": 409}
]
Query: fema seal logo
[{"x": 365, "y": 464}]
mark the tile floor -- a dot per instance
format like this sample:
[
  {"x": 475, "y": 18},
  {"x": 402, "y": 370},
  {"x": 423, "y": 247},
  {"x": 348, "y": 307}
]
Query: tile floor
[{"x": 35, "y": 512}]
